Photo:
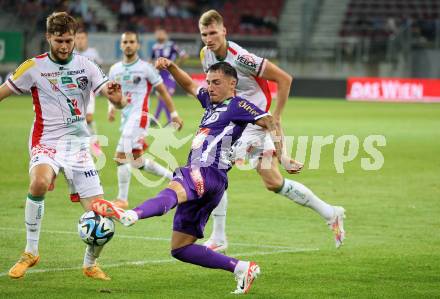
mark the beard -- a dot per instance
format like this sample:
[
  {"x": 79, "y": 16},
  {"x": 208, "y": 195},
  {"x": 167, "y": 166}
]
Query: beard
[{"x": 57, "y": 57}]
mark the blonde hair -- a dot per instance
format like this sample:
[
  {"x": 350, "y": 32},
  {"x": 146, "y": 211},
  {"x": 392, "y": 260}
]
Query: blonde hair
[
  {"x": 210, "y": 17},
  {"x": 59, "y": 23}
]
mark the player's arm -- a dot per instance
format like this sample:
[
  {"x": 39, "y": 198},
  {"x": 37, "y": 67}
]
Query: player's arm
[
  {"x": 162, "y": 90},
  {"x": 179, "y": 75},
  {"x": 5, "y": 91},
  {"x": 112, "y": 91},
  {"x": 284, "y": 81},
  {"x": 268, "y": 123}
]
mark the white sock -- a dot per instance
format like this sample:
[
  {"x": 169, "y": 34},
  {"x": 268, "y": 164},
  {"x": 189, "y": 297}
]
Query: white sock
[
  {"x": 219, "y": 220},
  {"x": 241, "y": 267},
  {"x": 124, "y": 175},
  {"x": 33, "y": 215},
  {"x": 157, "y": 169},
  {"x": 91, "y": 255},
  {"x": 305, "y": 197}
]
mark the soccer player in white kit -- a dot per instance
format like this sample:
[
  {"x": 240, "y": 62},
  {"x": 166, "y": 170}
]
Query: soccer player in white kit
[
  {"x": 60, "y": 83},
  {"x": 82, "y": 48},
  {"x": 253, "y": 73},
  {"x": 137, "y": 79}
]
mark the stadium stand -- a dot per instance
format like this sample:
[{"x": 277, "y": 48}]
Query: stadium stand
[
  {"x": 242, "y": 17},
  {"x": 374, "y": 18}
]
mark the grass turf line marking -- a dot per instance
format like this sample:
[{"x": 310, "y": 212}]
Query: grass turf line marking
[
  {"x": 165, "y": 261},
  {"x": 148, "y": 238}
]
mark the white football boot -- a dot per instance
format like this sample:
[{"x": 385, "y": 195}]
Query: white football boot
[{"x": 246, "y": 278}]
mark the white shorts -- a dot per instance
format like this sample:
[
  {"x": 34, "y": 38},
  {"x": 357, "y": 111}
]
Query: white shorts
[
  {"x": 253, "y": 144},
  {"x": 75, "y": 162},
  {"x": 132, "y": 137},
  {"x": 91, "y": 106}
]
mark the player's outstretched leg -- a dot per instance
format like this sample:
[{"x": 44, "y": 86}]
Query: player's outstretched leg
[
  {"x": 217, "y": 241},
  {"x": 304, "y": 196},
  {"x": 156, "y": 169},
  {"x": 156, "y": 206}
]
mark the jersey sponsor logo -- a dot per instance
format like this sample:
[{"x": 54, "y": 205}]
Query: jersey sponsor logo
[
  {"x": 82, "y": 82},
  {"x": 136, "y": 79},
  {"x": 91, "y": 173},
  {"x": 76, "y": 72},
  {"x": 54, "y": 84},
  {"x": 247, "y": 61},
  {"x": 43, "y": 150},
  {"x": 22, "y": 69},
  {"x": 71, "y": 86},
  {"x": 66, "y": 80},
  {"x": 245, "y": 105},
  {"x": 213, "y": 118},
  {"x": 52, "y": 74}
]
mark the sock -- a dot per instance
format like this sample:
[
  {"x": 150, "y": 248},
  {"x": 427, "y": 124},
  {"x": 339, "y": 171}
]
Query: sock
[
  {"x": 124, "y": 175},
  {"x": 33, "y": 215},
  {"x": 219, "y": 220},
  {"x": 157, "y": 169},
  {"x": 157, "y": 206},
  {"x": 91, "y": 255},
  {"x": 205, "y": 257},
  {"x": 241, "y": 267},
  {"x": 304, "y": 196}
]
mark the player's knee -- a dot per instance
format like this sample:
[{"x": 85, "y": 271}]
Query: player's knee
[
  {"x": 89, "y": 118},
  {"x": 39, "y": 186},
  {"x": 178, "y": 253},
  {"x": 273, "y": 183}
]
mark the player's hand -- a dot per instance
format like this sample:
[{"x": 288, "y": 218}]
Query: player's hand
[
  {"x": 114, "y": 92},
  {"x": 292, "y": 166},
  {"x": 177, "y": 123},
  {"x": 163, "y": 63}
]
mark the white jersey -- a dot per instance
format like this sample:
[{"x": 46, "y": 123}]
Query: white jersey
[
  {"x": 60, "y": 94},
  {"x": 137, "y": 79},
  {"x": 90, "y": 53},
  {"x": 249, "y": 69}
]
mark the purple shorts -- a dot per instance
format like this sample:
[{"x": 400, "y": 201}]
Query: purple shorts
[
  {"x": 168, "y": 81},
  {"x": 204, "y": 189}
]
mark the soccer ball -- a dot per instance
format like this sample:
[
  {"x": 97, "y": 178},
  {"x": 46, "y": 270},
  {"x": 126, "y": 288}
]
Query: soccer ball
[{"x": 94, "y": 229}]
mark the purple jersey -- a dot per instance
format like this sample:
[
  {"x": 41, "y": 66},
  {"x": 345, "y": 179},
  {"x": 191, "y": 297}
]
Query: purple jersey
[
  {"x": 169, "y": 50},
  {"x": 221, "y": 125}
]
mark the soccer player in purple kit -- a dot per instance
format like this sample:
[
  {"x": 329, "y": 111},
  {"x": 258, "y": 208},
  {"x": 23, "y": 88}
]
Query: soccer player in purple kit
[
  {"x": 197, "y": 188},
  {"x": 168, "y": 49}
]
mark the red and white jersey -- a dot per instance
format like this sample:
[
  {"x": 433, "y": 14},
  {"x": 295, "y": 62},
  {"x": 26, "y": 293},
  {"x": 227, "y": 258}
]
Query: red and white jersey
[
  {"x": 60, "y": 94},
  {"x": 137, "y": 79},
  {"x": 249, "y": 68},
  {"x": 90, "y": 53}
]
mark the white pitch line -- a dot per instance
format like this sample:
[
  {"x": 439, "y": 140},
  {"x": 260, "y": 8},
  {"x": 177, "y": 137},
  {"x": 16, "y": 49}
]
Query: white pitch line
[
  {"x": 164, "y": 261},
  {"x": 150, "y": 238}
]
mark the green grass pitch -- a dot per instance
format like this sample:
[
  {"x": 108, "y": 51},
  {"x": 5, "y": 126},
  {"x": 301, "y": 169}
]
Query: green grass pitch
[{"x": 392, "y": 248}]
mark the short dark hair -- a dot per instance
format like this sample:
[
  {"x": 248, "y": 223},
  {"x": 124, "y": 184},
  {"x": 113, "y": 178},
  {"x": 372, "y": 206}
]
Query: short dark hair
[
  {"x": 59, "y": 23},
  {"x": 132, "y": 33},
  {"x": 226, "y": 69}
]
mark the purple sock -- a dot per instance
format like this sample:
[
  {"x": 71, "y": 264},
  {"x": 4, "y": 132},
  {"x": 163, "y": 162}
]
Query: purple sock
[
  {"x": 157, "y": 206},
  {"x": 205, "y": 257}
]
